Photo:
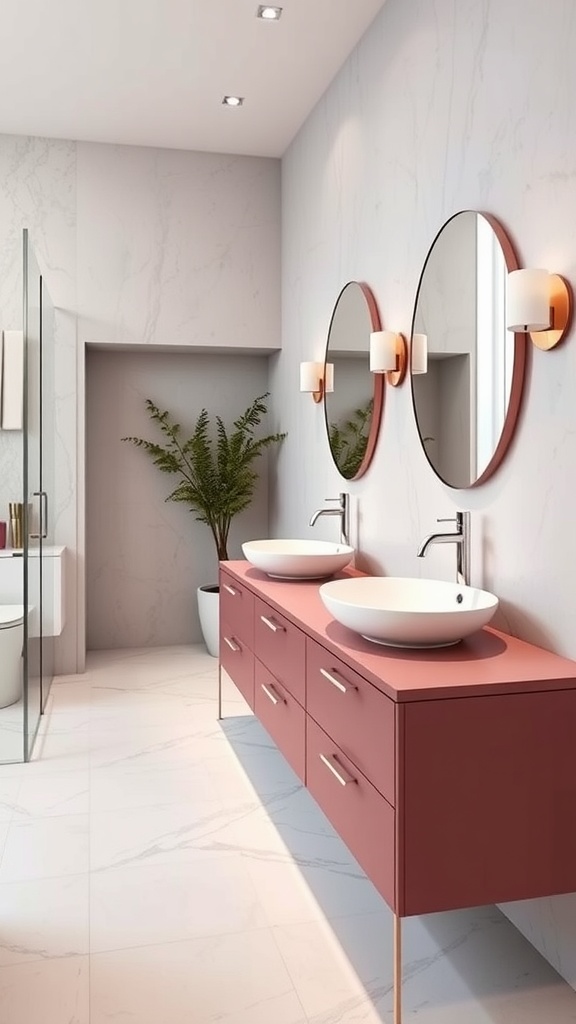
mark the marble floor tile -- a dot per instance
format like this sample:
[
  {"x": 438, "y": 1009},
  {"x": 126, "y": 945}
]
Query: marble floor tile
[
  {"x": 47, "y": 796},
  {"x": 155, "y": 748},
  {"x": 173, "y": 833},
  {"x": 293, "y": 893},
  {"x": 46, "y": 992},
  {"x": 44, "y": 919},
  {"x": 9, "y": 789},
  {"x": 121, "y": 790},
  {"x": 230, "y": 979},
  {"x": 46, "y": 848},
  {"x": 159, "y": 903}
]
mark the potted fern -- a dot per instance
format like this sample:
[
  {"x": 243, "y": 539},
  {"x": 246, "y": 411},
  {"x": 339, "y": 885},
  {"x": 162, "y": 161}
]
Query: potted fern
[{"x": 216, "y": 479}]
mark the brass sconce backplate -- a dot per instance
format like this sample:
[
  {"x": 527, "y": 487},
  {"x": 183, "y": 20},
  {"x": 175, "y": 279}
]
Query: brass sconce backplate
[
  {"x": 560, "y": 315},
  {"x": 395, "y": 377}
]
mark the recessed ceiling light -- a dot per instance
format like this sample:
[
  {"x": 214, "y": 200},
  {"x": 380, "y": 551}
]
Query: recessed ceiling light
[
  {"x": 269, "y": 13},
  {"x": 233, "y": 101}
]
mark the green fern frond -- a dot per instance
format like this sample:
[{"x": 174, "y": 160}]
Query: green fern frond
[{"x": 218, "y": 478}]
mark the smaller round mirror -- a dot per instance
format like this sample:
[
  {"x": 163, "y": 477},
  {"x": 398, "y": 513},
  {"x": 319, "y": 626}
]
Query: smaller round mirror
[
  {"x": 467, "y": 368},
  {"x": 354, "y": 407}
]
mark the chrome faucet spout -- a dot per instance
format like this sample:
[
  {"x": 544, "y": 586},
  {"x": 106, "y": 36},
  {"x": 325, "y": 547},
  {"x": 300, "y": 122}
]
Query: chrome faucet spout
[
  {"x": 323, "y": 512},
  {"x": 342, "y": 511},
  {"x": 460, "y": 537},
  {"x": 438, "y": 538}
]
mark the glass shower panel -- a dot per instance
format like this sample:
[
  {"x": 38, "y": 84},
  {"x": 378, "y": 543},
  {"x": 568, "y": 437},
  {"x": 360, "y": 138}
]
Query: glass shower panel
[{"x": 34, "y": 510}]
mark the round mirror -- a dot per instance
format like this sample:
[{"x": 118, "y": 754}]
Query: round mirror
[
  {"x": 353, "y": 407},
  {"x": 466, "y": 393}
]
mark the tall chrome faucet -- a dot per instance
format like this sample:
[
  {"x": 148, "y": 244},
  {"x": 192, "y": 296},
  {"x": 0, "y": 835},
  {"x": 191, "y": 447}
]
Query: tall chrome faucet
[
  {"x": 460, "y": 537},
  {"x": 342, "y": 510}
]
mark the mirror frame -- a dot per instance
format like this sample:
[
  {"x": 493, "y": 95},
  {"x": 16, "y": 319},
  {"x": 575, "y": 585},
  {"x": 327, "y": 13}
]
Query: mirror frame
[
  {"x": 520, "y": 355},
  {"x": 378, "y": 386}
]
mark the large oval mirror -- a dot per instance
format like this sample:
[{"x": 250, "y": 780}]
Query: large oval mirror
[
  {"x": 353, "y": 408},
  {"x": 466, "y": 398}
]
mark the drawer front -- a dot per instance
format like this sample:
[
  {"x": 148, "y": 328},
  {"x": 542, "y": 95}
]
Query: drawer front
[
  {"x": 282, "y": 716},
  {"x": 238, "y": 661},
  {"x": 237, "y": 607},
  {"x": 354, "y": 713},
  {"x": 281, "y": 647},
  {"x": 360, "y": 815}
]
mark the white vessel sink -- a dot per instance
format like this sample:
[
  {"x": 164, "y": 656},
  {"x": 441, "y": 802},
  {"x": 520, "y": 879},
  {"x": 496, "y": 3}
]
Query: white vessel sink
[
  {"x": 404, "y": 612},
  {"x": 297, "y": 559}
]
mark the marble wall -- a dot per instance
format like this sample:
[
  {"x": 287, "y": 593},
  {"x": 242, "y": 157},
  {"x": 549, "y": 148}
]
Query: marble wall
[
  {"x": 443, "y": 107},
  {"x": 139, "y": 247}
]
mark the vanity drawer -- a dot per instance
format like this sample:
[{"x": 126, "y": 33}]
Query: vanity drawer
[
  {"x": 360, "y": 815},
  {"x": 238, "y": 660},
  {"x": 237, "y": 607},
  {"x": 282, "y": 716},
  {"x": 358, "y": 717},
  {"x": 281, "y": 647}
]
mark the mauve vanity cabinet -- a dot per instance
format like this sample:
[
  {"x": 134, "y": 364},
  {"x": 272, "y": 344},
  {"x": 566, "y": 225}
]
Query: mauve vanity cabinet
[{"x": 450, "y": 774}]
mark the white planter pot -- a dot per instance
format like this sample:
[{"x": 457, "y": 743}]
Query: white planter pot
[{"x": 209, "y": 612}]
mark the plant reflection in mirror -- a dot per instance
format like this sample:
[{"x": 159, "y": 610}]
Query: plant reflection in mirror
[{"x": 349, "y": 439}]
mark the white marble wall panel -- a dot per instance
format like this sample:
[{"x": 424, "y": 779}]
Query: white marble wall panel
[
  {"x": 145, "y": 556},
  {"x": 178, "y": 248},
  {"x": 442, "y": 107}
]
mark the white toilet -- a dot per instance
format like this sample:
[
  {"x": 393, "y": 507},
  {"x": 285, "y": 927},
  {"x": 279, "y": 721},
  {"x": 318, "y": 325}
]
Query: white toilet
[{"x": 11, "y": 644}]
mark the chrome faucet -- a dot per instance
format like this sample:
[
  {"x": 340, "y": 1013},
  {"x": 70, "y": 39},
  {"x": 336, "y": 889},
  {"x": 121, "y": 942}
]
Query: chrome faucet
[
  {"x": 460, "y": 537},
  {"x": 342, "y": 510}
]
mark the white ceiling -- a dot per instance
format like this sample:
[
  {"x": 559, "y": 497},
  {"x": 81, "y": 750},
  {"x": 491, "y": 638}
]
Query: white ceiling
[{"x": 153, "y": 72}]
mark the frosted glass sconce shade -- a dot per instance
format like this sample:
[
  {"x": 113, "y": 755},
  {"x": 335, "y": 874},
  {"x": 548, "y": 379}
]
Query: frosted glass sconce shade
[
  {"x": 528, "y": 300},
  {"x": 539, "y": 304},
  {"x": 312, "y": 379},
  {"x": 419, "y": 353},
  {"x": 388, "y": 355}
]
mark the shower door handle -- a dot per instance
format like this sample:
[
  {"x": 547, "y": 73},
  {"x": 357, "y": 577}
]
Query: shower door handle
[{"x": 43, "y": 516}]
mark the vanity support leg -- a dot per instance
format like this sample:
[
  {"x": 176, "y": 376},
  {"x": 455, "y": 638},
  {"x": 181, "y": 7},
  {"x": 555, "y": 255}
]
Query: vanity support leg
[
  {"x": 397, "y": 970},
  {"x": 219, "y": 690}
]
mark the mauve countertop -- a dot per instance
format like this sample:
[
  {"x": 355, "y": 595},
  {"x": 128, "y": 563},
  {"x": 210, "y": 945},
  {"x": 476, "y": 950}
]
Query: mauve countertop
[{"x": 486, "y": 662}]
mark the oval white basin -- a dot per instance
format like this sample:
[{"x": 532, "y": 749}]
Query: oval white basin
[
  {"x": 405, "y": 612},
  {"x": 297, "y": 559}
]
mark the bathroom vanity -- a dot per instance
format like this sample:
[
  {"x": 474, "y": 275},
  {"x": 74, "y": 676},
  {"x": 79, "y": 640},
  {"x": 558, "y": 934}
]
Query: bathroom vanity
[{"x": 450, "y": 774}]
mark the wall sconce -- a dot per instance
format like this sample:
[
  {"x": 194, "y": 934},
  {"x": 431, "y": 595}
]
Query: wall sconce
[
  {"x": 388, "y": 356},
  {"x": 538, "y": 304},
  {"x": 419, "y": 353},
  {"x": 312, "y": 379}
]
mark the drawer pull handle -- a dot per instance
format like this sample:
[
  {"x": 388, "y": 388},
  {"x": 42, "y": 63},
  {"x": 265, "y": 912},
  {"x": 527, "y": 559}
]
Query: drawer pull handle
[
  {"x": 272, "y": 625},
  {"x": 231, "y": 590},
  {"x": 336, "y": 682},
  {"x": 232, "y": 644},
  {"x": 271, "y": 694},
  {"x": 343, "y": 777}
]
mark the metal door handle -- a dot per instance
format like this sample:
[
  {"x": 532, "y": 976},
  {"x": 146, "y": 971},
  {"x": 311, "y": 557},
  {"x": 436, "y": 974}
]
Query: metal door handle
[
  {"x": 344, "y": 778},
  {"x": 230, "y": 590},
  {"x": 232, "y": 644},
  {"x": 336, "y": 682},
  {"x": 43, "y": 516},
  {"x": 272, "y": 625}
]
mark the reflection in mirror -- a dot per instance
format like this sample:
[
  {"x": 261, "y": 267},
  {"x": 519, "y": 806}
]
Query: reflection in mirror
[
  {"x": 353, "y": 409},
  {"x": 467, "y": 402}
]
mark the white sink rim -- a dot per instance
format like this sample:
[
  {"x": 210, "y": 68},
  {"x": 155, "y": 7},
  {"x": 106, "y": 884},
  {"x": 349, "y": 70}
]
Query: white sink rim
[
  {"x": 297, "y": 559},
  {"x": 403, "y": 611}
]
